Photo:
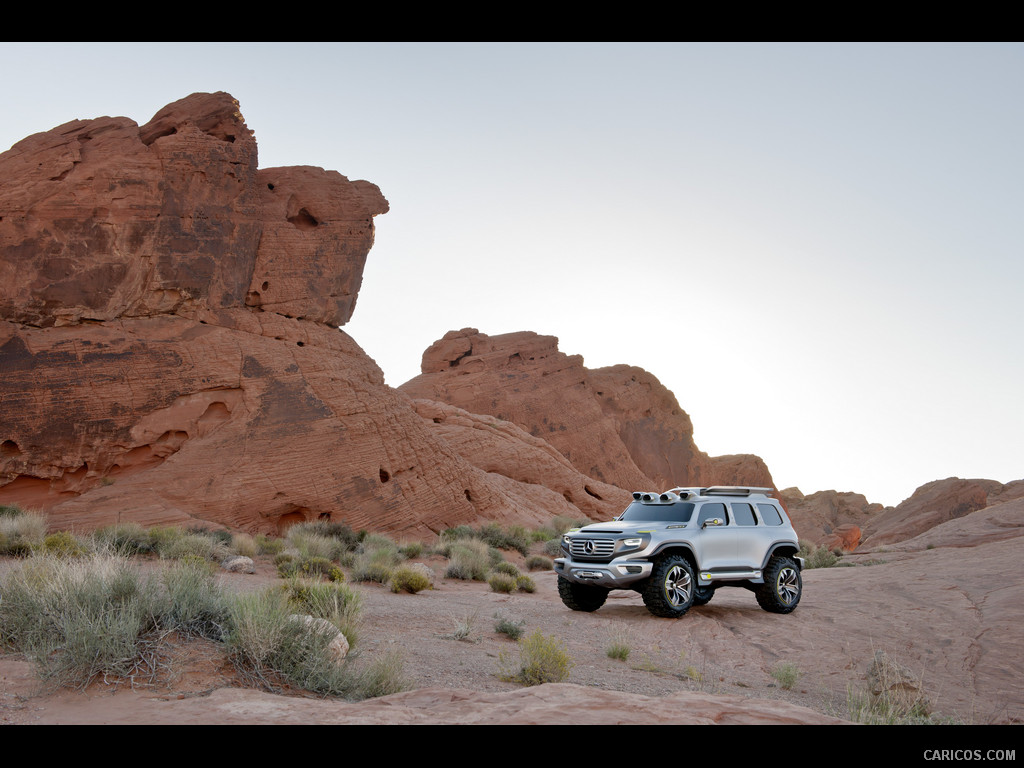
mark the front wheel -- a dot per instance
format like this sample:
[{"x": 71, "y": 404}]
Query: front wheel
[
  {"x": 669, "y": 592},
  {"x": 782, "y": 586},
  {"x": 581, "y": 597}
]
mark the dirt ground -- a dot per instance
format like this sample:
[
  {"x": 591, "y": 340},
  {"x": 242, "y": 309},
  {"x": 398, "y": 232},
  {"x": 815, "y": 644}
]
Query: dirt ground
[{"x": 719, "y": 656}]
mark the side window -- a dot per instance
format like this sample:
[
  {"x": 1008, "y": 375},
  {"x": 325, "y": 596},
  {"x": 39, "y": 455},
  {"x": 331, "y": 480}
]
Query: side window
[
  {"x": 710, "y": 511},
  {"x": 743, "y": 513},
  {"x": 769, "y": 514}
]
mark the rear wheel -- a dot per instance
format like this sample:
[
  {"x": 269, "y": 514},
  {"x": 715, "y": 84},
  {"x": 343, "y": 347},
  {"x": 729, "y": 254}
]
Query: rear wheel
[
  {"x": 703, "y": 595},
  {"x": 782, "y": 586},
  {"x": 669, "y": 592},
  {"x": 581, "y": 597}
]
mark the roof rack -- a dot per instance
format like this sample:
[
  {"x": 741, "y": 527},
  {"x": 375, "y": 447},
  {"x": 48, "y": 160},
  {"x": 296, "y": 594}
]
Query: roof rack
[{"x": 720, "y": 490}]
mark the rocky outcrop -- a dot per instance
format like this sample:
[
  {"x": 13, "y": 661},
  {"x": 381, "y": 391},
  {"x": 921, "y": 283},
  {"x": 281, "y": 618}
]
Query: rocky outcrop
[
  {"x": 833, "y": 519},
  {"x": 169, "y": 349},
  {"x": 935, "y": 503},
  {"x": 618, "y": 425}
]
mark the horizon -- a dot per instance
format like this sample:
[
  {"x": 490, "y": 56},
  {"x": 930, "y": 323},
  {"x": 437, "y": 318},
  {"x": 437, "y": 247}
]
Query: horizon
[{"x": 842, "y": 216}]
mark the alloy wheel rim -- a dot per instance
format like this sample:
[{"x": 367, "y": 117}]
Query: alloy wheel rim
[
  {"x": 678, "y": 585},
  {"x": 788, "y": 585}
]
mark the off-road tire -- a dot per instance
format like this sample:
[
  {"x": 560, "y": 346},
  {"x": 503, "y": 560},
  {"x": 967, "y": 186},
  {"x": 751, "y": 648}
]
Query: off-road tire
[
  {"x": 782, "y": 586},
  {"x": 669, "y": 591},
  {"x": 703, "y": 595},
  {"x": 581, "y": 597}
]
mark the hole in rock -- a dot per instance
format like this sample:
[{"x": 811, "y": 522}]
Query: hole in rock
[
  {"x": 9, "y": 448},
  {"x": 469, "y": 496},
  {"x": 591, "y": 493},
  {"x": 384, "y": 475},
  {"x": 303, "y": 220}
]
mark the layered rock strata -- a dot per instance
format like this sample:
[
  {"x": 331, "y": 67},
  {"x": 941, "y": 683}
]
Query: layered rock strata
[{"x": 169, "y": 350}]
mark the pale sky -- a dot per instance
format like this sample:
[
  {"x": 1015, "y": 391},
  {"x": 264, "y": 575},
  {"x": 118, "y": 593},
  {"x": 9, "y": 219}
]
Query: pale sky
[{"x": 817, "y": 247}]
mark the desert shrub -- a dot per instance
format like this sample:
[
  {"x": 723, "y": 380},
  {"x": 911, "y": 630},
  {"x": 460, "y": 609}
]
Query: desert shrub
[
  {"x": 553, "y": 547},
  {"x": 539, "y": 563},
  {"x": 220, "y": 536},
  {"x": 338, "y": 603},
  {"x": 11, "y": 510},
  {"x": 245, "y": 545},
  {"x": 785, "y": 674},
  {"x": 618, "y": 650},
  {"x": 20, "y": 533},
  {"x": 269, "y": 648},
  {"x": 62, "y": 544},
  {"x": 508, "y": 627},
  {"x": 164, "y": 537},
  {"x": 309, "y": 544},
  {"x": 541, "y": 660},
  {"x": 818, "y": 557},
  {"x": 408, "y": 578},
  {"x": 514, "y": 537},
  {"x": 201, "y": 545},
  {"x": 377, "y": 560},
  {"x": 501, "y": 582},
  {"x": 193, "y": 603},
  {"x": 411, "y": 549},
  {"x": 562, "y": 523},
  {"x": 341, "y": 532},
  {"x": 506, "y": 567},
  {"x": 383, "y": 676},
  {"x": 290, "y": 565},
  {"x": 542, "y": 534},
  {"x": 78, "y": 619},
  {"x": 267, "y": 545},
  {"x": 525, "y": 584},
  {"x": 469, "y": 560},
  {"x": 128, "y": 538}
]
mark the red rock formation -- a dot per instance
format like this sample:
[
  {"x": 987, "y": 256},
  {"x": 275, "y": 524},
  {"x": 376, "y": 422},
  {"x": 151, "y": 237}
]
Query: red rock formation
[
  {"x": 168, "y": 350},
  {"x": 830, "y": 518},
  {"x": 935, "y": 503},
  {"x": 617, "y": 424}
]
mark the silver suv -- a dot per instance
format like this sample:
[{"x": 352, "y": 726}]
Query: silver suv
[{"x": 676, "y": 548}]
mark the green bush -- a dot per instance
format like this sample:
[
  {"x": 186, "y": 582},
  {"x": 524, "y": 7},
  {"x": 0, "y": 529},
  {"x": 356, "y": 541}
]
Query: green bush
[
  {"x": 541, "y": 660},
  {"x": 407, "y": 578},
  {"x": 501, "y": 582},
  {"x": 20, "y": 533},
  {"x": 266, "y": 545},
  {"x": 201, "y": 545},
  {"x": 785, "y": 674},
  {"x": 511, "y": 629},
  {"x": 553, "y": 547},
  {"x": 411, "y": 549},
  {"x": 76, "y": 619},
  {"x": 469, "y": 560},
  {"x": 245, "y": 545},
  {"x": 11, "y": 510},
  {"x": 539, "y": 563},
  {"x": 818, "y": 557},
  {"x": 506, "y": 567},
  {"x": 525, "y": 584},
  {"x": 63, "y": 544},
  {"x": 376, "y": 561},
  {"x": 618, "y": 650},
  {"x": 126, "y": 539}
]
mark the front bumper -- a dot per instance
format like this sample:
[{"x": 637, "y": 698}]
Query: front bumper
[{"x": 618, "y": 574}]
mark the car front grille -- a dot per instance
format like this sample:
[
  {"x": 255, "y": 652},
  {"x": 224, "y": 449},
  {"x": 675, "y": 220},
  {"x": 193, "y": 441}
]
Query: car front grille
[{"x": 592, "y": 549}]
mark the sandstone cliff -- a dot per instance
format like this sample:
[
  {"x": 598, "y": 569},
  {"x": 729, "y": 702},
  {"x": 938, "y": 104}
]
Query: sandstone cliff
[
  {"x": 617, "y": 424},
  {"x": 169, "y": 349}
]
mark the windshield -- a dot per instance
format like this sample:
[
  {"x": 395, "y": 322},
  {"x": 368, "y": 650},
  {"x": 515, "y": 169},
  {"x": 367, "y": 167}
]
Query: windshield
[{"x": 679, "y": 512}]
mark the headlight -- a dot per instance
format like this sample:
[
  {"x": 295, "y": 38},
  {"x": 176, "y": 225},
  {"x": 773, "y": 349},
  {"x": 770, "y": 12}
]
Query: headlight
[{"x": 633, "y": 542}]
